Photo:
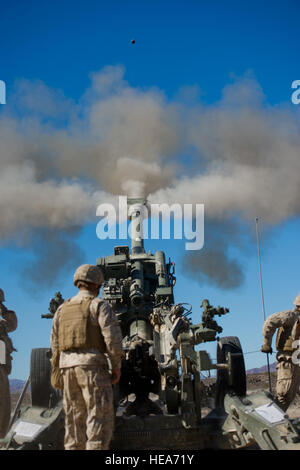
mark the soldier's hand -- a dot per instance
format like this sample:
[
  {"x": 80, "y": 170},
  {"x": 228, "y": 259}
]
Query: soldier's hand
[
  {"x": 3, "y": 309},
  {"x": 266, "y": 349},
  {"x": 115, "y": 376}
]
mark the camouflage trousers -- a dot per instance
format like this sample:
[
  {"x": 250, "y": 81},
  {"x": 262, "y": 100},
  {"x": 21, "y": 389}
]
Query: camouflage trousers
[
  {"x": 288, "y": 380},
  {"x": 5, "y": 406},
  {"x": 88, "y": 407}
]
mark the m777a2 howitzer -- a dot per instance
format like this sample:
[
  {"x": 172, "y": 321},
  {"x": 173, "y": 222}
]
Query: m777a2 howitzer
[{"x": 160, "y": 360}]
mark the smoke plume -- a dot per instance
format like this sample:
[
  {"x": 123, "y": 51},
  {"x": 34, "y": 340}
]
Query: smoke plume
[{"x": 60, "y": 159}]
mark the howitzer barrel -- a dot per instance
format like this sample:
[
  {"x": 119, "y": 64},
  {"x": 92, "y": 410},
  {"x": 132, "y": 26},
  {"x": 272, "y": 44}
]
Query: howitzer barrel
[
  {"x": 135, "y": 215},
  {"x": 160, "y": 268},
  {"x": 137, "y": 284},
  {"x": 142, "y": 329}
]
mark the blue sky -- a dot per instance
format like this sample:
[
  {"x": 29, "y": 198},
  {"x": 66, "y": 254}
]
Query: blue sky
[{"x": 178, "y": 44}]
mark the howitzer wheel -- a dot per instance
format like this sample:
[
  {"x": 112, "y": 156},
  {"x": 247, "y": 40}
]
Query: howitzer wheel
[
  {"x": 42, "y": 394},
  {"x": 229, "y": 351}
]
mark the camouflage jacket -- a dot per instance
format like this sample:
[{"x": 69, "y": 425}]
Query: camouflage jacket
[
  {"x": 285, "y": 319},
  {"x": 8, "y": 323},
  {"x": 101, "y": 313}
]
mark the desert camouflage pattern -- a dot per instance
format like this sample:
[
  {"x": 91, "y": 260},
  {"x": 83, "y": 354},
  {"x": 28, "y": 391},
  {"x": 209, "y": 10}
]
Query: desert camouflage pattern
[
  {"x": 88, "y": 396},
  {"x": 288, "y": 380},
  {"x": 297, "y": 300},
  {"x": 286, "y": 319},
  {"x": 8, "y": 323},
  {"x": 88, "y": 407},
  {"x": 102, "y": 314},
  {"x": 288, "y": 374},
  {"x": 5, "y": 405},
  {"x": 88, "y": 273}
]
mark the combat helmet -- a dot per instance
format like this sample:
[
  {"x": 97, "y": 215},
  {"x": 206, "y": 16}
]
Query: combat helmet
[
  {"x": 2, "y": 296},
  {"x": 297, "y": 300},
  {"x": 88, "y": 273}
]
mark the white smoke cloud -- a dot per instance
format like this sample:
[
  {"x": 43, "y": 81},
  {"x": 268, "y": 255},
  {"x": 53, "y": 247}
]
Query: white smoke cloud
[
  {"x": 248, "y": 158},
  {"x": 26, "y": 202},
  {"x": 60, "y": 159}
]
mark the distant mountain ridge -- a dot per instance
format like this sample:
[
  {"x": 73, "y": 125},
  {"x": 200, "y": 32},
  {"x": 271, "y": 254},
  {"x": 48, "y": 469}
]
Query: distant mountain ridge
[
  {"x": 16, "y": 385},
  {"x": 261, "y": 370}
]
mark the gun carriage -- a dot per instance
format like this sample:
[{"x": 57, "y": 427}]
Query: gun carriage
[{"x": 161, "y": 370}]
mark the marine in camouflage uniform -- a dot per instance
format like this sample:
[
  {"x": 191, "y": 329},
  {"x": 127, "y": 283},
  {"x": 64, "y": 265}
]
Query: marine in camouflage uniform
[
  {"x": 288, "y": 371},
  {"x": 85, "y": 332},
  {"x": 8, "y": 323}
]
